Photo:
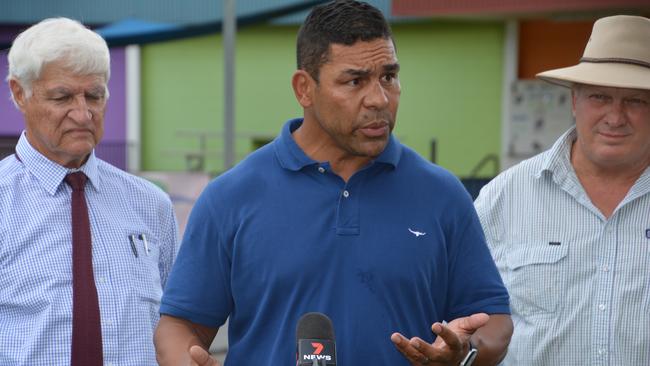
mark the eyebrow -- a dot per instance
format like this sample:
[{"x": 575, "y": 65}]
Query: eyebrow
[
  {"x": 365, "y": 72},
  {"x": 391, "y": 67},
  {"x": 63, "y": 90},
  {"x": 57, "y": 90}
]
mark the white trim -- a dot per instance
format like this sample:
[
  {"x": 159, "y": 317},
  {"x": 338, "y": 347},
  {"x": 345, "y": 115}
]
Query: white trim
[{"x": 133, "y": 121}]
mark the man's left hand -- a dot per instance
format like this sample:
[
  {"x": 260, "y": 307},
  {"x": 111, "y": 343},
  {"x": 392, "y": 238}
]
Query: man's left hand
[{"x": 449, "y": 348}]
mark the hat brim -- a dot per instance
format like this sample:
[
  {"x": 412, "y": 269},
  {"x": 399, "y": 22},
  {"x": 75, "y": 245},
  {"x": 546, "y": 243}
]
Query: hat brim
[{"x": 617, "y": 75}]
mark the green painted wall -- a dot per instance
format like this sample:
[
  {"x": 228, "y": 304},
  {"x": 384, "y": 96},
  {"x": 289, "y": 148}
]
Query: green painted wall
[
  {"x": 451, "y": 91},
  {"x": 182, "y": 95},
  {"x": 451, "y": 79}
]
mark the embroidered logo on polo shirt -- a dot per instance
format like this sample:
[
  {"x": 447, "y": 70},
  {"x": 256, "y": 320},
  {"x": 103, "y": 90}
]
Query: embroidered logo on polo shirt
[
  {"x": 647, "y": 233},
  {"x": 417, "y": 233}
]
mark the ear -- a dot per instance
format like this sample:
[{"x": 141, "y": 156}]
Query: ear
[
  {"x": 18, "y": 93},
  {"x": 303, "y": 86}
]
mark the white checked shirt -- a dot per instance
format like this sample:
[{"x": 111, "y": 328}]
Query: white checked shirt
[
  {"x": 579, "y": 283},
  {"x": 36, "y": 259}
]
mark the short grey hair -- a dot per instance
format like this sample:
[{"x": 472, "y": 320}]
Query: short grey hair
[{"x": 57, "y": 39}]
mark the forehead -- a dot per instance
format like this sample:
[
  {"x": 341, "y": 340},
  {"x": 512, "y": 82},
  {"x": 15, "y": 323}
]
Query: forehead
[
  {"x": 612, "y": 90},
  {"x": 57, "y": 74},
  {"x": 362, "y": 54}
]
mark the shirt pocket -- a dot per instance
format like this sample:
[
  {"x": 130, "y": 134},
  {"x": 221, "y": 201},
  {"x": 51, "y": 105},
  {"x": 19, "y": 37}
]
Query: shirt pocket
[
  {"x": 536, "y": 278},
  {"x": 145, "y": 272}
]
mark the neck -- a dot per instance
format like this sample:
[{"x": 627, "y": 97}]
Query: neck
[
  {"x": 616, "y": 173},
  {"x": 605, "y": 186},
  {"x": 319, "y": 146}
]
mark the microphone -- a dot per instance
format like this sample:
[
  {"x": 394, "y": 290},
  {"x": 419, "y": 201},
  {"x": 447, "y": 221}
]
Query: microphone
[{"x": 315, "y": 341}]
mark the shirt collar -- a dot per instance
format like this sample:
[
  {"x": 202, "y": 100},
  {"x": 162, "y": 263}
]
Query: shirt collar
[
  {"x": 558, "y": 157},
  {"x": 558, "y": 163},
  {"x": 50, "y": 174},
  {"x": 292, "y": 157}
]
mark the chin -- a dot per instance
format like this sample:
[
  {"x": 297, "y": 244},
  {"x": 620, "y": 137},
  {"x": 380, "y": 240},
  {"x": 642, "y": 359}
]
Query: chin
[
  {"x": 81, "y": 150},
  {"x": 373, "y": 153}
]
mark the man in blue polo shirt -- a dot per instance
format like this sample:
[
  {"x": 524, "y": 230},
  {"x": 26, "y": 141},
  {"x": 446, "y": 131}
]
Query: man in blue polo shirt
[{"x": 337, "y": 216}]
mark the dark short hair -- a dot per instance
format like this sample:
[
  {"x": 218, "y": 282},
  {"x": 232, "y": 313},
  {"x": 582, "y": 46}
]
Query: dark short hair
[{"x": 342, "y": 22}]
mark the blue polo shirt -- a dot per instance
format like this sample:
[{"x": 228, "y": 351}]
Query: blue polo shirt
[{"x": 395, "y": 249}]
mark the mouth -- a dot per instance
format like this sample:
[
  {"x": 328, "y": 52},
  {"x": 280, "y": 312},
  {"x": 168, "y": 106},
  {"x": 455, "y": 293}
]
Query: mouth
[
  {"x": 613, "y": 136},
  {"x": 80, "y": 131},
  {"x": 376, "y": 129}
]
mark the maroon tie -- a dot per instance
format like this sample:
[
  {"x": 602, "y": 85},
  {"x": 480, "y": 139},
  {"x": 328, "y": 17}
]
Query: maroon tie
[{"x": 86, "y": 328}]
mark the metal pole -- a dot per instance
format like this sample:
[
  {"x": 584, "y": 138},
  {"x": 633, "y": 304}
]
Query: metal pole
[{"x": 229, "y": 33}]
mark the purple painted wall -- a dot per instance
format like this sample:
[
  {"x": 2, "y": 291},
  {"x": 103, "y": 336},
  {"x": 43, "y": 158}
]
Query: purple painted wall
[{"x": 113, "y": 145}]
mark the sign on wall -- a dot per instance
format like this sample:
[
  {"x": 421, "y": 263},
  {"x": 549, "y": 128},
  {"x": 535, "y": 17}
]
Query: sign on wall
[{"x": 540, "y": 113}]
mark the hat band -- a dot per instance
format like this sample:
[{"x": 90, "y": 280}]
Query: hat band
[{"x": 628, "y": 61}]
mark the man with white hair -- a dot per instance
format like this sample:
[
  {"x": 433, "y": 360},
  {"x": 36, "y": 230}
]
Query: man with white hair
[
  {"x": 569, "y": 229},
  {"x": 85, "y": 248}
]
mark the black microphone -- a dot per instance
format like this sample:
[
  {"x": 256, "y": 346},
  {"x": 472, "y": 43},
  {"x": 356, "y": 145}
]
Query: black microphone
[{"x": 315, "y": 341}]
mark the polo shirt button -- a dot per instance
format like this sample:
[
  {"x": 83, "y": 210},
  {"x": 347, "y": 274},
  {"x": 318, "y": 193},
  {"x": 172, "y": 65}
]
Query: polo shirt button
[
  {"x": 346, "y": 194},
  {"x": 321, "y": 169}
]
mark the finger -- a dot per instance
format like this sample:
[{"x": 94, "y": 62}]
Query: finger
[
  {"x": 431, "y": 352},
  {"x": 448, "y": 336},
  {"x": 201, "y": 357},
  {"x": 470, "y": 324},
  {"x": 403, "y": 345}
]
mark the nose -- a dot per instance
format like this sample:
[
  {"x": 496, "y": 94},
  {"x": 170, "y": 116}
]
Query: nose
[
  {"x": 80, "y": 111},
  {"x": 616, "y": 114},
  {"x": 377, "y": 97}
]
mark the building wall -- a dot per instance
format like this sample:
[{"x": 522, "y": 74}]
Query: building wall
[
  {"x": 451, "y": 92},
  {"x": 182, "y": 95},
  {"x": 549, "y": 44}
]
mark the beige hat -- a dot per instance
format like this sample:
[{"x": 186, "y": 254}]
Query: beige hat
[{"x": 617, "y": 55}]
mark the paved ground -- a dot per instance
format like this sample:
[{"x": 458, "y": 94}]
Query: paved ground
[{"x": 220, "y": 344}]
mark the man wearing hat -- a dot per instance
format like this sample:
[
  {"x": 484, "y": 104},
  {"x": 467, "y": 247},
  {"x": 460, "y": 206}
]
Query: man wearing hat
[{"x": 569, "y": 228}]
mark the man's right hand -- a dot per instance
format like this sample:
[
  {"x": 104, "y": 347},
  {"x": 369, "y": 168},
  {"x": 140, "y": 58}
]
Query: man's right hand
[{"x": 201, "y": 357}]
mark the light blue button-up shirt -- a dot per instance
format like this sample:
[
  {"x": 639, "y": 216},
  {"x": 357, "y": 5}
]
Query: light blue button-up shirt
[
  {"x": 579, "y": 282},
  {"x": 36, "y": 259}
]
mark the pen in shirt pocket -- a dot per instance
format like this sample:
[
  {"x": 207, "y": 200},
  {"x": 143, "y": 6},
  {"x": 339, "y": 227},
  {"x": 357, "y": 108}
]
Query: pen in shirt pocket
[
  {"x": 145, "y": 242},
  {"x": 134, "y": 249}
]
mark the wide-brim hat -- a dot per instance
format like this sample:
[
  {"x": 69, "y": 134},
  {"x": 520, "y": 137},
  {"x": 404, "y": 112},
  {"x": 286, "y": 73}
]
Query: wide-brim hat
[{"x": 617, "y": 55}]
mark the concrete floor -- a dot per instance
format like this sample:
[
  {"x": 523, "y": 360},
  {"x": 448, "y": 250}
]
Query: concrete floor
[{"x": 219, "y": 346}]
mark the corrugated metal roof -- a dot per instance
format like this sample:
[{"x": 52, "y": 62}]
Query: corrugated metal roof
[
  {"x": 135, "y": 30},
  {"x": 143, "y": 21},
  {"x": 164, "y": 11}
]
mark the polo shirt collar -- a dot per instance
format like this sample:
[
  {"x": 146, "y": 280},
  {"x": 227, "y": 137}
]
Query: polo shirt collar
[
  {"x": 291, "y": 156},
  {"x": 48, "y": 173}
]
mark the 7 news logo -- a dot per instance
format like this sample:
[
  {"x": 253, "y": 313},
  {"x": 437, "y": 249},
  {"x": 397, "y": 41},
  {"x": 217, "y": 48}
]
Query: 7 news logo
[
  {"x": 316, "y": 353},
  {"x": 314, "y": 350}
]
